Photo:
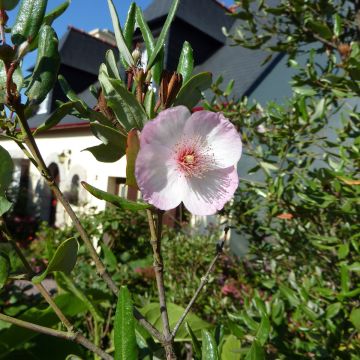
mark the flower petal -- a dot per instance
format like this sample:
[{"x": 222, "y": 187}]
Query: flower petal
[
  {"x": 220, "y": 134},
  {"x": 209, "y": 194},
  {"x": 166, "y": 128},
  {"x": 157, "y": 177}
]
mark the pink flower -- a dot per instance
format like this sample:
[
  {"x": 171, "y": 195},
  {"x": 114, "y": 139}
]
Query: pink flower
[{"x": 190, "y": 159}]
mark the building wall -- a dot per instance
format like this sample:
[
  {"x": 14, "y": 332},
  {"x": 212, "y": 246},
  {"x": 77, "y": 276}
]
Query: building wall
[{"x": 65, "y": 149}]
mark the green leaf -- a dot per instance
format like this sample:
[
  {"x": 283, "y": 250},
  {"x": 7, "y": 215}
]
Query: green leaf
[
  {"x": 190, "y": 93},
  {"x": 196, "y": 345},
  {"x": 59, "y": 113},
  {"x": 150, "y": 46},
  {"x": 4, "y": 268},
  {"x": 124, "y": 328},
  {"x": 231, "y": 348},
  {"x": 126, "y": 108},
  {"x": 186, "y": 62},
  {"x": 17, "y": 79},
  {"x": 109, "y": 258},
  {"x": 161, "y": 39},
  {"x": 120, "y": 40},
  {"x": 355, "y": 318},
  {"x": 152, "y": 314},
  {"x": 55, "y": 13},
  {"x": 343, "y": 251},
  {"x": 263, "y": 332},
  {"x": 106, "y": 153},
  {"x": 209, "y": 347},
  {"x": 256, "y": 352},
  {"x": 28, "y": 21},
  {"x": 332, "y": 310},
  {"x": 113, "y": 145},
  {"x": 111, "y": 65},
  {"x": 306, "y": 91},
  {"x": 114, "y": 199},
  {"x": 337, "y": 25},
  {"x": 63, "y": 260},
  {"x": 6, "y": 173},
  {"x": 229, "y": 88},
  {"x": 321, "y": 28},
  {"x": 133, "y": 147},
  {"x": 8, "y": 4},
  {"x": 46, "y": 67},
  {"x": 129, "y": 26},
  {"x": 149, "y": 103}
]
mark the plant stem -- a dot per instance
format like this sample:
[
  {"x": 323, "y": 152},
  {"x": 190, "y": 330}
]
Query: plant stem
[
  {"x": 75, "y": 337},
  {"x": 203, "y": 282},
  {"x": 159, "y": 274}
]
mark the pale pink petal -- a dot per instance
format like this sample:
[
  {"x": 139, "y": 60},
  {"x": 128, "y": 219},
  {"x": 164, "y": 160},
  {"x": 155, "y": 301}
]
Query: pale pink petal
[
  {"x": 209, "y": 194},
  {"x": 166, "y": 128},
  {"x": 221, "y": 136},
  {"x": 158, "y": 178}
]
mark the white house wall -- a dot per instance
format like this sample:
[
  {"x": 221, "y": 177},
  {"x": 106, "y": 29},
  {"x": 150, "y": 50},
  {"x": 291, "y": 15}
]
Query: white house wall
[{"x": 65, "y": 148}]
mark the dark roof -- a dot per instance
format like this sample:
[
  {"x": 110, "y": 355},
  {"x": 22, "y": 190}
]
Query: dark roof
[
  {"x": 76, "y": 44},
  {"x": 209, "y": 16},
  {"x": 242, "y": 65}
]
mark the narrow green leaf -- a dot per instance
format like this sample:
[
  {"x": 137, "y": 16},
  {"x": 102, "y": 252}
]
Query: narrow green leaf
[
  {"x": 124, "y": 99},
  {"x": 209, "y": 346},
  {"x": 109, "y": 258},
  {"x": 28, "y": 21},
  {"x": 163, "y": 34},
  {"x": 63, "y": 110},
  {"x": 190, "y": 93},
  {"x": 63, "y": 260},
  {"x": 337, "y": 25},
  {"x": 150, "y": 46},
  {"x": 196, "y": 345},
  {"x": 114, "y": 199},
  {"x": 46, "y": 67},
  {"x": 111, "y": 65},
  {"x": 149, "y": 104},
  {"x": 229, "y": 88},
  {"x": 186, "y": 62},
  {"x": 129, "y": 28},
  {"x": 55, "y": 13},
  {"x": 6, "y": 173},
  {"x": 120, "y": 40},
  {"x": 256, "y": 352},
  {"x": 306, "y": 91},
  {"x": 263, "y": 332},
  {"x": 4, "y": 268},
  {"x": 68, "y": 91},
  {"x": 124, "y": 328}
]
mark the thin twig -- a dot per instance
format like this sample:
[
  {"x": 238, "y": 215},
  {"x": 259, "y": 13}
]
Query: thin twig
[
  {"x": 203, "y": 282},
  {"x": 159, "y": 275},
  {"x": 75, "y": 337}
]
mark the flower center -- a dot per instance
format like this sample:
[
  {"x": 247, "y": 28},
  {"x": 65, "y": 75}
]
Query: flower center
[
  {"x": 189, "y": 159},
  {"x": 193, "y": 157}
]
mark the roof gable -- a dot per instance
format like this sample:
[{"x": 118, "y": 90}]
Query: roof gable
[{"x": 206, "y": 15}]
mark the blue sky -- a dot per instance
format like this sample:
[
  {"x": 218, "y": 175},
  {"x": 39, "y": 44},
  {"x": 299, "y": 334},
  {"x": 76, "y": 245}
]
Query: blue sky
[{"x": 86, "y": 15}]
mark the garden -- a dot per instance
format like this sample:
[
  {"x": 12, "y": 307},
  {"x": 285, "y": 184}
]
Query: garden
[{"x": 126, "y": 284}]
